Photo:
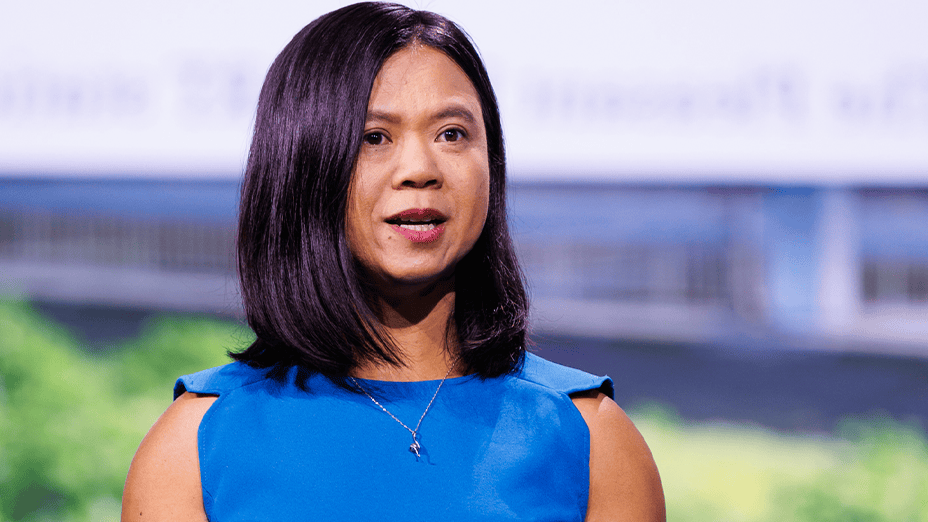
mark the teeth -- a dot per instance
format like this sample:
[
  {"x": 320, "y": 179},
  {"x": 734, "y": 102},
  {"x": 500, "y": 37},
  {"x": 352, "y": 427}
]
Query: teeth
[{"x": 418, "y": 228}]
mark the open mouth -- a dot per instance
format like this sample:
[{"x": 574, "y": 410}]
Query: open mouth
[{"x": 418, "y": 220}]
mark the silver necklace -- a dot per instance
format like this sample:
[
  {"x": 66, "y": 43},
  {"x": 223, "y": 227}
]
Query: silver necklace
[{"x": 415, "y": 446}]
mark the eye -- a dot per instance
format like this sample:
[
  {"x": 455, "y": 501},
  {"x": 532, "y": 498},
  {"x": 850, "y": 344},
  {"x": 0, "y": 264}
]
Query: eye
[
  {"x": 374, "y": 138},
  {"x": 453, "y": 134}
]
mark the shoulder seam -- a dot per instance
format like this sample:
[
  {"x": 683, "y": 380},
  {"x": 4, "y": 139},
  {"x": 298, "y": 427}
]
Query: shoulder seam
[
  {"x": 576, "y": 380},
  {"x": 209, "y": 382}
]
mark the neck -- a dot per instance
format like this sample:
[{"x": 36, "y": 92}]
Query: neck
[{"x": 417, "y": 322}]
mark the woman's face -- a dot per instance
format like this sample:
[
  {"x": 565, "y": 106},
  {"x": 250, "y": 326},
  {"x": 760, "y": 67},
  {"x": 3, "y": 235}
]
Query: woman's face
[{"x": 420, "y": 189}]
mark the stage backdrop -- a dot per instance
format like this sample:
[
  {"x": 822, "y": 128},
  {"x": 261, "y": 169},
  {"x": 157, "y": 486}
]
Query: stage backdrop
[{"x": 768, "y": 91}]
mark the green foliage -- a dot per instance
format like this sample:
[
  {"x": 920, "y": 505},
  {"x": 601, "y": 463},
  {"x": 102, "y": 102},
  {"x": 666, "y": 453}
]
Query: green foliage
[
  {"x": 873, "y": 469},
  {"x": 884, "y": 478},
  {"x": 70, "y": 422}
]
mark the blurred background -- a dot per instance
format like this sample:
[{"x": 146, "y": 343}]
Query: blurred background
[{"x": 722, "y": 205}]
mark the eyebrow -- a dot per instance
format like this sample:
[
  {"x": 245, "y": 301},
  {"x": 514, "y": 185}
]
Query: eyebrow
[
  {"x": 382, "y": 116},
  {"x": 451, "y": 111},
  {"x": 455, "y": 111}
]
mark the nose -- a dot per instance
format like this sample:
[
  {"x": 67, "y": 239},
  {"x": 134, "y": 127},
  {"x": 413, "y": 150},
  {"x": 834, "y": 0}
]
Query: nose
[{"x": 417, "y": 166}]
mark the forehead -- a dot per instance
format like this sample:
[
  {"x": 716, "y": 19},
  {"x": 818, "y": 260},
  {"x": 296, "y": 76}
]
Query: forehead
[{"x": 418, "y": 77}]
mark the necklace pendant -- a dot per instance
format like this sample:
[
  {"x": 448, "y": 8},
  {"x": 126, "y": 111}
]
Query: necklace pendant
[{"x": 415, "y": 447}]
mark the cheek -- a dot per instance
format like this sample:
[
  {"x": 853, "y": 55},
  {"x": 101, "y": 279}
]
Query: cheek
[
  {"x": 351, "y": 234},
  {"x": 485, "y": 206},
  {"x": 481, "y": 204},
  {"x": 356, "y": 226}
]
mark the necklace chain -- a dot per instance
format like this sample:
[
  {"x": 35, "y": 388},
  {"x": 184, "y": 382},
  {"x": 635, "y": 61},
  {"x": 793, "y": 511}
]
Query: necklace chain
[{"x": 415, "y": 446}]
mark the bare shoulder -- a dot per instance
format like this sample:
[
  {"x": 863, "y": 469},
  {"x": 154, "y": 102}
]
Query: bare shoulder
[
  {"x": 624, "y": 482},
  {"x": 164, "y": 478}
]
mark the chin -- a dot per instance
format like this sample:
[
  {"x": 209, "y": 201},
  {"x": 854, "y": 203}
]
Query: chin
[{"x": 419, "y": 278}]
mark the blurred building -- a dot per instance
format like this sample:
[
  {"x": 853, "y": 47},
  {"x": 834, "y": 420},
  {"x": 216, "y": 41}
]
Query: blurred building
[{"x": 746, "y": 267}]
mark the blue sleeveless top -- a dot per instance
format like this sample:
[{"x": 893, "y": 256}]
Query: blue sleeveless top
[{"x": 509, "y": 448}]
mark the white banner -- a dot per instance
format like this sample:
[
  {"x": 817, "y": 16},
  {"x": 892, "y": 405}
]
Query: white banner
[{"x": 767, "y": 91}]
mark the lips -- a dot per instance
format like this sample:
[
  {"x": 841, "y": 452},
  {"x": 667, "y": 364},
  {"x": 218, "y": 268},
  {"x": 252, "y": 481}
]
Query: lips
[{"x": 419, "y": 225}]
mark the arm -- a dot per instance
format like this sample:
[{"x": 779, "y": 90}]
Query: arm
[
  {"x": 164, "y": 477},
  {"x": 624, "y": 482}
]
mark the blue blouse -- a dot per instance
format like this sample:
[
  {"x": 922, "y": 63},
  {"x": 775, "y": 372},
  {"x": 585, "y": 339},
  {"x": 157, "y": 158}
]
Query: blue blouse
[{"x": 509, "y": 448}]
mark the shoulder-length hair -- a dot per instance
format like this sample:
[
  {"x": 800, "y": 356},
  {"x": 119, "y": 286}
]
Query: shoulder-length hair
[{"x": 299, "y": 281}]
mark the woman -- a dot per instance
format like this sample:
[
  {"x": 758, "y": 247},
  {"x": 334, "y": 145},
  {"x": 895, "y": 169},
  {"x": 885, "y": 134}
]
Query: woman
[{"x": 389, "y": 379}]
